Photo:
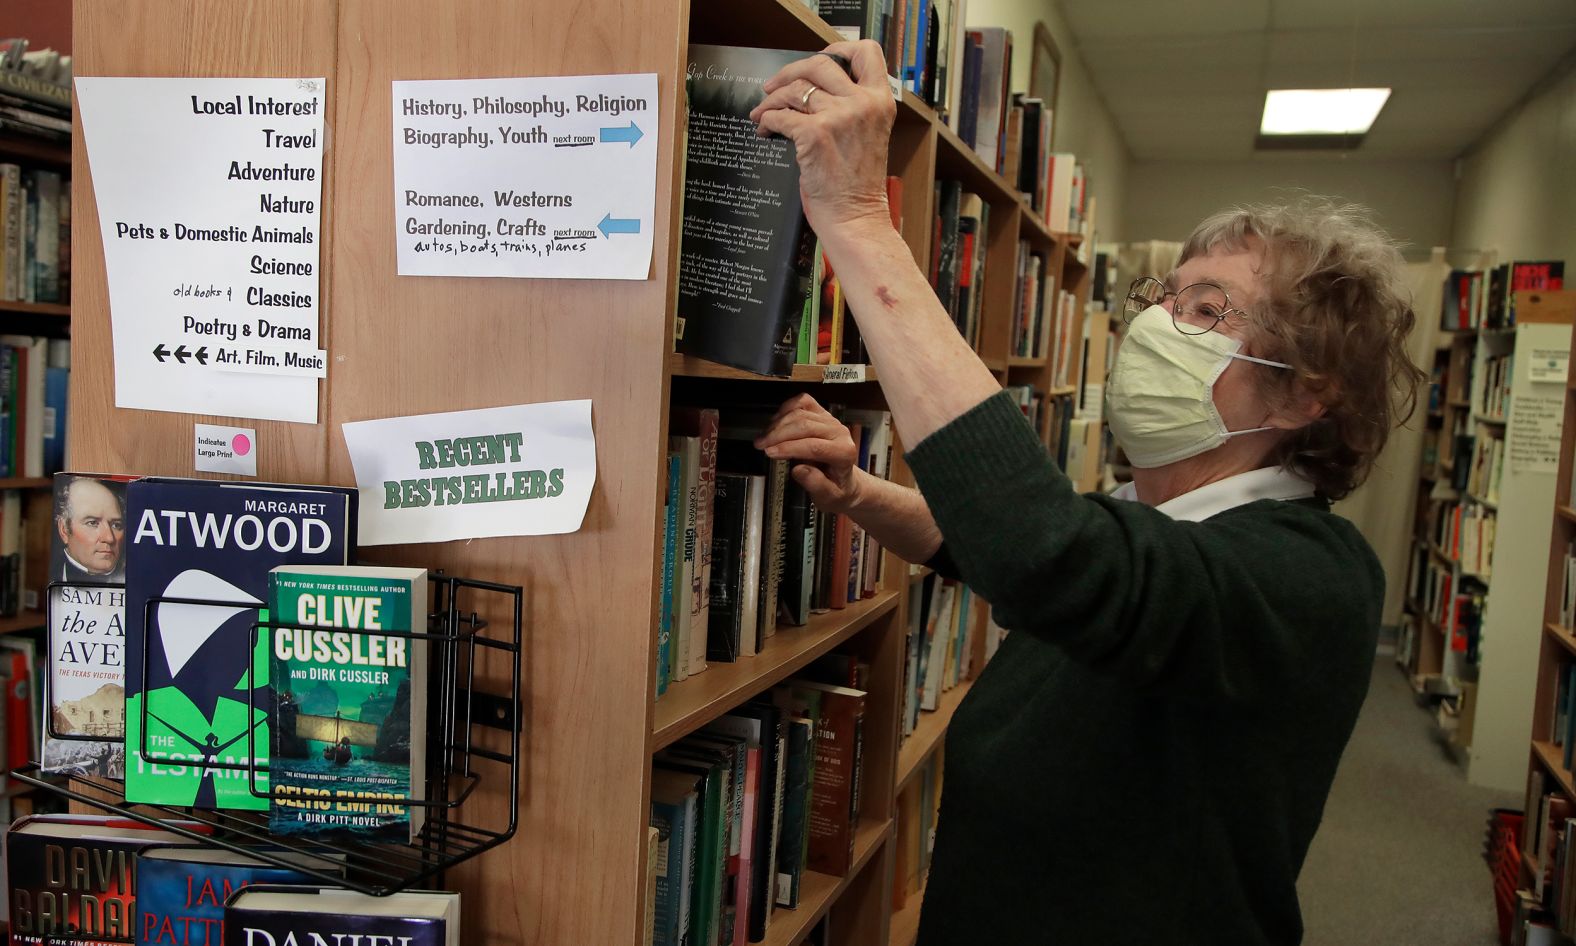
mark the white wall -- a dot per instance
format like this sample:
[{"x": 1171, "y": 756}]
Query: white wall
[
  {"x": 1413, "y": 200},
  {"x": 1083, "y": 125}
]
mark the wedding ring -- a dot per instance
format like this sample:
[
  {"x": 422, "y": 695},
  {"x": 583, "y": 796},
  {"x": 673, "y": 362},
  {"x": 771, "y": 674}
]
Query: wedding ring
[{"x": 804, "y": 100}]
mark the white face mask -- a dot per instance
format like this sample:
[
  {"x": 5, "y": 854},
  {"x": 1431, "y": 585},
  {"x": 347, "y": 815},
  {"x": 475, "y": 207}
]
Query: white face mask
[{"x": 1160, "y": 399}]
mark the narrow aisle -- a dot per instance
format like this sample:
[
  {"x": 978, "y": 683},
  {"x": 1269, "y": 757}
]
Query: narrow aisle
[{"x": 1398, "y": 858}]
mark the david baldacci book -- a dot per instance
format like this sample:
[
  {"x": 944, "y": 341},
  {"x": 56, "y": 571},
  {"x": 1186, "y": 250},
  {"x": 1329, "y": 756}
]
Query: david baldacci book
[
  {"x": 745, "y": 261},
  {"x": 215, "y": 542},
  {"x": 181, "y": 891},
  {"x": 307, "y": 916},
  {"x": 350, "y": 708},
  {"x": 85, "y": 687},
  {"x": 73, "y": 880}
]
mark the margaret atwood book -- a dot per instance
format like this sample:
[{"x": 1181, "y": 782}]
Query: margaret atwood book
[
  {"x": 350, "y": 704},
  {"x": 746, "y": 252},
  {"x": 308, "y": 916},
  {"x": 207, "y": 693}
]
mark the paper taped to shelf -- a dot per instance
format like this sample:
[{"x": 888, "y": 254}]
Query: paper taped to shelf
[
  {"x": 552, "y": 176},
  {"x": 210, "y": 198},
  {"x": 521, "y": 470}
]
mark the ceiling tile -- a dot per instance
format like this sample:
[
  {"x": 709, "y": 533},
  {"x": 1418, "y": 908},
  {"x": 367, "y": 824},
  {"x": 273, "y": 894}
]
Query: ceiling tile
[
  {"x": 1109, "y": 19},
  {"x": 1448, "y": 14}
]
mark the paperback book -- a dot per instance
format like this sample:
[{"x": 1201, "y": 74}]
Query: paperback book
[
  {"x": 181, "y": 891},
  {"x": 206, "y": 686},
  {"x": 306, "y": 916},
  {"x": 349, "y": 747},
  {"x": 85, "y": 685}
]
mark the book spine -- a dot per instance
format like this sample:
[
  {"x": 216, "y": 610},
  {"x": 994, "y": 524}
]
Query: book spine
[
  {"x": 665, "y": 616},
  {"x": 705, "y": 507}
]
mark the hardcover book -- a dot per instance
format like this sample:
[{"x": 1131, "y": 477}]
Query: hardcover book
[
  {"x": 85, "y": 687},
  {"x": 306, "y": 916},
  {"x": 743, "y": 273},
  {"x": 181, "y": 892},
  {"x": 53, "y": 894},
  {"x": 349, "y": 731},
  {"x": 206, "y": 688}
]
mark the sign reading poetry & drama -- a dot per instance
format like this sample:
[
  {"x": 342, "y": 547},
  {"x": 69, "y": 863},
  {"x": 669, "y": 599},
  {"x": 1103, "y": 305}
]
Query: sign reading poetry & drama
[
  {"x": 553, "y": 176},
  {"x": 521, "y": 470},
  {"x": 210, "y": 196}
]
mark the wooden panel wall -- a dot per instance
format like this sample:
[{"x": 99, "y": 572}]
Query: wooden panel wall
[{"x": 406, "y": 345}]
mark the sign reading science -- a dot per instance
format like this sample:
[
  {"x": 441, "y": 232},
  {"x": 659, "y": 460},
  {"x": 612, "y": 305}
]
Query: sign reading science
[{"x": 521, "y": 470}]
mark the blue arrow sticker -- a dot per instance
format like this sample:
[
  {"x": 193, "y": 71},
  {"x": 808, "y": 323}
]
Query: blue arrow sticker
[
  {"x": 611, "y": 224},
  {"x": 630, "y": 134}
]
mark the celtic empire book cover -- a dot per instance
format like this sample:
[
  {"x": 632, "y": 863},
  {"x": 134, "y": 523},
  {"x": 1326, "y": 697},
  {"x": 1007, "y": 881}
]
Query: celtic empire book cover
[
  {"x": 351, "y": 706},
  {"x": 208, "y": 698}
]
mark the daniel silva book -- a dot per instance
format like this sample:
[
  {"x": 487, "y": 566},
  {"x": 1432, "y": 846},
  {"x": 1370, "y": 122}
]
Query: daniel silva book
[{"x": 350, "y": 722}]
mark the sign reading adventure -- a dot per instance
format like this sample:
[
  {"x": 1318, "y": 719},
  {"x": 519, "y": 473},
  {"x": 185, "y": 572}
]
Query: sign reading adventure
[
  {"x": 551, "y": 177},
  {"x": 210, "y": 197},
  {"x": 522, "y": 470}
]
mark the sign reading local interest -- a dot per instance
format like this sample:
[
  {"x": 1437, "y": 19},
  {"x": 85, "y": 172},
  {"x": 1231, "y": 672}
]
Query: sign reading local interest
[
  {"x": 538, "y": 177},
  {"x": 522, "y": 470},
  {"x": 209, "y": 196}
]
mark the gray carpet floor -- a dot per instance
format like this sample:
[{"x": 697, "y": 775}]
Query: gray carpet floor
[{"x": 1398, "y": 858}]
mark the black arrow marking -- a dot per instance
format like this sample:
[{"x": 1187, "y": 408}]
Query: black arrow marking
[
  {"x": 160, "y": 352},
  {"x": 181, "y": 354},
  {"x": 202, "y": 355}
]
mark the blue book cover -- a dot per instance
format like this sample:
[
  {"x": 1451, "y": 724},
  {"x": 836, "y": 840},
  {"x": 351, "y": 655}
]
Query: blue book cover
[
  {"x": 181, "y": 892},
  {"x": 214, "y": 541},
  {"x": 55, "y": 384},
  {"x": 300, "y": 916},
  {"x": 670, "y": 530}
]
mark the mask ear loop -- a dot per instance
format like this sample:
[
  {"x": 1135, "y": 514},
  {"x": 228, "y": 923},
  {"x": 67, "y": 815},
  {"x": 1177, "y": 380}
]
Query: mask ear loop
[{"x": 1261, "y": 361}]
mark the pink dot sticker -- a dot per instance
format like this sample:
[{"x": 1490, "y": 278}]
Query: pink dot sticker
[{"x": 242, "y": 445}]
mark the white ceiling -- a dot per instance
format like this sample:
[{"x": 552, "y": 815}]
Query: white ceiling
[{"x": 1186, "y": 81}]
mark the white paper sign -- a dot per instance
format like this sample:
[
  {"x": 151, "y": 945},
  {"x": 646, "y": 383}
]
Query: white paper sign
[
  {"x": 225, "y": 449},
  {"x": 550, "y": 177},
  {"x": 523, "y": 470},
  {"x": 210, "y": 197},
  {"x": 1548, "y": 364},
  {"x": 844, "y": 374}
]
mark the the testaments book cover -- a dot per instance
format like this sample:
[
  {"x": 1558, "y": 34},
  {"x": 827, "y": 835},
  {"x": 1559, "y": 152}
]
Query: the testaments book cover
[{"x": 206, "y": 696}]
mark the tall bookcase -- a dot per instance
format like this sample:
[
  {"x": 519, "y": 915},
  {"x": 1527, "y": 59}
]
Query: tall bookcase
[{"x": 573, "y": 873}]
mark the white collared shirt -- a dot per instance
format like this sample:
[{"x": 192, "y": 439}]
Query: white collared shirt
[{"x": 1271, "y": 482}]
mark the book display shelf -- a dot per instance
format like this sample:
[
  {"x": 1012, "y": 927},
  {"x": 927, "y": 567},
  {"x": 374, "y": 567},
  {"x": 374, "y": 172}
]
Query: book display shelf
[{"x": 573, "y": 871}]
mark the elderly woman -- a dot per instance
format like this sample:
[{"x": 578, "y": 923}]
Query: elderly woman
[{"x": 1147, "y": 757}]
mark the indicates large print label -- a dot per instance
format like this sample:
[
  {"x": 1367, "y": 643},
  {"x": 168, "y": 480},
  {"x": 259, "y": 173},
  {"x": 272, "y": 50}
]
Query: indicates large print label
[
  {"x": 536, "y": 177},
  {"x": 209, "y": 196}
]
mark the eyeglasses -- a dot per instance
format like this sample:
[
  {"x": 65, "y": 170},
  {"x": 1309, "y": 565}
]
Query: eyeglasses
[{"x": 1197, "y": 310}]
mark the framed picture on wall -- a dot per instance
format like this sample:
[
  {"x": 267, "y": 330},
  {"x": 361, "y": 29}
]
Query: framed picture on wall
[{"x": 1045, "y": 72}]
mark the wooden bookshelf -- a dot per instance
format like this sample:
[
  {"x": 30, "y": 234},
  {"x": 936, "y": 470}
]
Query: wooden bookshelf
[
  {"x": 25, "y": 621},
  {"x": 26, "y": 482},
  {"x": 696, "y": 701},
  {"x": 27, "y": 149},
  {"x": 905, "y": 922},
  {"x": 688, "y": 366},
  {"x": 818, "y": 892},
  {"x": 36, "y": 308},
  {"x": 928, "y": 733}
]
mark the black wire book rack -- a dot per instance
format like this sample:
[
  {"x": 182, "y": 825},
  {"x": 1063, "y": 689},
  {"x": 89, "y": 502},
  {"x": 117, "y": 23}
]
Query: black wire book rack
[{"x": 464, "y": 747}]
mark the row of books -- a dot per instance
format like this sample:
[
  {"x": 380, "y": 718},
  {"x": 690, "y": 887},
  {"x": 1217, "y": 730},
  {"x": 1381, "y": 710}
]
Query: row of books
[
  {"x": 1487, "y": 468},
  {"x": 34, "y": 383},
  {"x": 1547, "y": 912},
  {"x": 1493, "y": 392},
  {"x": 35, "y": 233},
  {"x": 1030, "y": 399},
  {"x": 35, "y": 91},
  {"x": 745, "y": 550},
  {"x": 1463, "y": 531},
  {"x": 940, "y": 644},
  {"x": 1475, "y": 298},
  {"x": 924, "y": 40},
  {"x": 1568, "y": 587},
  {"x": 1454, "y": 605},
  {"x": 959, "y": 238},
  {"x": 753, "y": 800},
  {"x": 19, "y": 588},
  {"x": 914, "y": 834},
  {"x": 1046, "y": 322},
  {"x": 151, "y": 887}
]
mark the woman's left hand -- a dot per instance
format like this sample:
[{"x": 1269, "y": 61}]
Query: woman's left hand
[{"x": 841, "y": 131}]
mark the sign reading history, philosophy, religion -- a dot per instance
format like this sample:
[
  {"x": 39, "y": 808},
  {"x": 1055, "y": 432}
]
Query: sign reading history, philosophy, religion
[
  {"x": 210, "y": 196},
  {"x": 521, "y": 470},
  {"x": 549, "y": 177}
]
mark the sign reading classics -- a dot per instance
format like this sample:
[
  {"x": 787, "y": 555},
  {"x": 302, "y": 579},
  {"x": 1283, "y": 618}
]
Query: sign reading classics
[
  {"x": 548, "y": 177},
  {"x": 209, "y": 196},
  {"x": 521, "y": 470}
]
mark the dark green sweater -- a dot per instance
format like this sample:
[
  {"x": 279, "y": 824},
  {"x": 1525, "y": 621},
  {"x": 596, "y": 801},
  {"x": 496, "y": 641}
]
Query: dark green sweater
[{"x": 1146, "y": 758}]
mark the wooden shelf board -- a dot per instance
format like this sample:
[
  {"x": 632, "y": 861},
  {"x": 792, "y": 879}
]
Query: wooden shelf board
[
  {"x": 1459, "y": 402},
  {"x": 1027, "y": 361},
  {"x": 954, "y": 159},
  {"x": 1561, "y": 636},
  {"x": 1565, "y": 512},
  {"x": 1490, "y": 504},
  {"x": 905, "y": 922},
  {"x": 694, "y": 702},
  {"x": 817, "y": 892},
  {"x": 924, "y": 572},
  {"x": 25, "y": 621},
  {"x": 37, "y": 308},
  {"x": 26, "y": 482},
  {"x": 1553, "y": 759},
  {"x": 1064, "y": 390},
  {"x": 688, "y": 366},
  {"x": 1485, "y": 419},
  {"x": 928, "y": 733},
  {"x": 57, "y": 153},
  {"x": 1034, "y": 228},
  {"x": 994, "y": 364}
]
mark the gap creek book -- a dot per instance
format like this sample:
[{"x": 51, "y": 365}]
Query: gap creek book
[
  {"x": 206, "y": 693},
  {"x": 350, "y": 707}
]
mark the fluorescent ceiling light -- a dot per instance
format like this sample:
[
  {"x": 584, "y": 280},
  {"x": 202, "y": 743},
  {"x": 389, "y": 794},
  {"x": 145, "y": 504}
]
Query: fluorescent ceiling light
[{"x": 1321, "y": 111}]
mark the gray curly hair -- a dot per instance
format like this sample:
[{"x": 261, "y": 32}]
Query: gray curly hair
[{"x": 1338, "y": 311}]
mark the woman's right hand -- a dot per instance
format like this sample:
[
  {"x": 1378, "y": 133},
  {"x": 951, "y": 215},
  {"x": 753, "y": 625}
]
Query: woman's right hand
[{"x": 823, "y": 454}]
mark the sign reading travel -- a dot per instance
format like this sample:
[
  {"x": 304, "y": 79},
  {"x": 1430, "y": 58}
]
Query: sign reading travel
[
  {"x": 522, "y": 470},
  {"x": 549, "y": 177},
  {"x": 210, "y": 196}
]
